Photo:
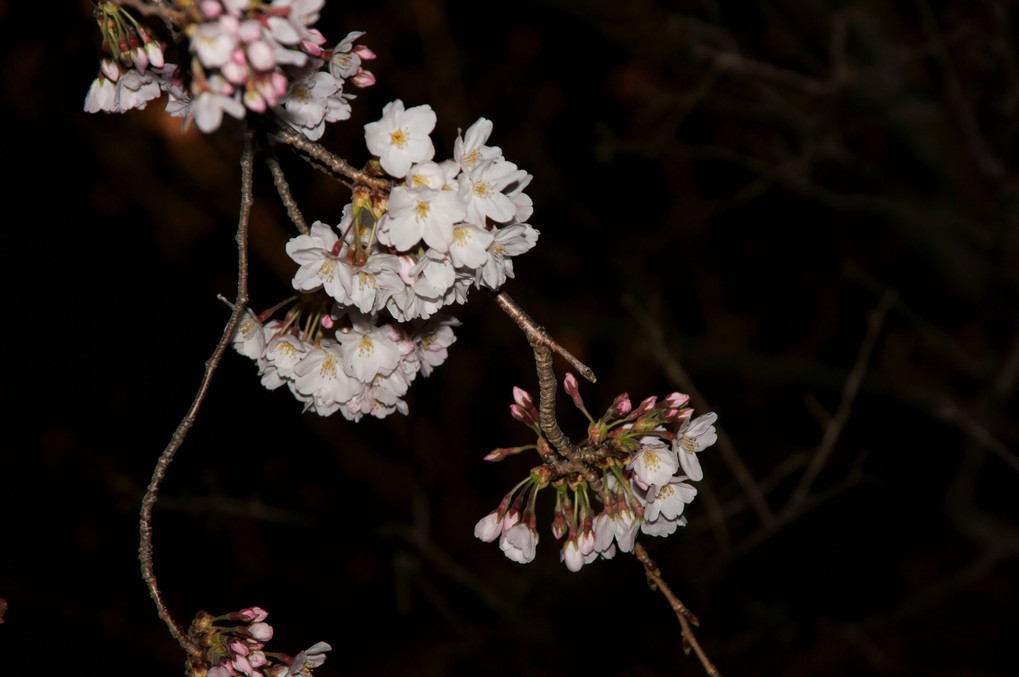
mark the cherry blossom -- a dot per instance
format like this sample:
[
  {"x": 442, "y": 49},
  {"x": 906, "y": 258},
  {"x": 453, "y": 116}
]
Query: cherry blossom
[
  {"x": 693, "y": 436},
  {"x": 401, "y": 138}
]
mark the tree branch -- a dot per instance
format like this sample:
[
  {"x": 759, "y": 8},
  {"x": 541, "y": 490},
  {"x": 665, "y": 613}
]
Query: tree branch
[{"x": 152, "y": 492}]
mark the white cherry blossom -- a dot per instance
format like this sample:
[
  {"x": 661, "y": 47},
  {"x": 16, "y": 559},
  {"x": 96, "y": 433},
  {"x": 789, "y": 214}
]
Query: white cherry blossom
[
  {"x": 320, "y": 376},
  {"x": 519, "y": 543},
  {"x": 368, "y": 350},
  {"x": 323, "y": 262},
  {"x": 669, "y": 500},
  {"x": 470, "y": 150},
  {"x": 512, "y": 240},
  {"x": 432, "y": 341},
  {"x": 481, "y": 191},
  {"x": 655, "y": 463},
  {"x": 423, "y": 213},
  {"x": 401, "y": 138},
  {"x": 693, "y": 436},
  {"x": 373, "y": 283},
  {"x": 469, "y": 246}
]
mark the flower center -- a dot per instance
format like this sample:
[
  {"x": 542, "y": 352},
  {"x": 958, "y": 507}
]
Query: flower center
[
  {"x": 421, "y": 211},
  {"x": 367, "y": 346},
  {"x": 398, "y": 138}
]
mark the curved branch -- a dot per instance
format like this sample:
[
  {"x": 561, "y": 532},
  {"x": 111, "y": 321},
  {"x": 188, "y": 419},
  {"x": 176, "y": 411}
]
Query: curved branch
[{"x": 152, "y": 492}]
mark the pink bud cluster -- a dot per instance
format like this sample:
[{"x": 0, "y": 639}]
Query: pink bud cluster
[
  {"x": 247, "y": 56},
  {"x": 643, "y": 470},
  {"x": 234, "y": 645},
  {"x": 134, "y": 70}
]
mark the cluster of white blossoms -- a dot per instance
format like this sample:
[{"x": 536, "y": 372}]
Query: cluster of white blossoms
[
  {"x": 365, "y": 368},
  {"x": 390, "y": 266},
  {"x": 446, "y": 226},
  {"x": 246, "y": 55},
  {"x": 646, "y": 472}
]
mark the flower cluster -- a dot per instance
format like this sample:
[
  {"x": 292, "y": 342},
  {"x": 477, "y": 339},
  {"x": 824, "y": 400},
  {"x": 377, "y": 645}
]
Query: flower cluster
[
  {"x": 443, "y": 227},
  {"x": 363, "y": 368},
  {"x": 379, "y": 280},
  {"x": 239, "y": 648},
  {"x": 642, "y": 473},
  {"x": 246, "y": 56}
]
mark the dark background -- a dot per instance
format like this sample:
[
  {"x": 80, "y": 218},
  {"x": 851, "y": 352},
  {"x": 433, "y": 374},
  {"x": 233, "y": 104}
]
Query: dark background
[{"x": 762, "y": 201}]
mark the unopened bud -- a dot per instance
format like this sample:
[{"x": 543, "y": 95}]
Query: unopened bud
[
  {"x": 363, "y": 52},
  {"x": 644, "y": 407},
  {"x": 522, "y": 397},
  {"x": 155, "y": 54},
  {"x": 675, "y": 400},
  {"x": 570, "y": 384},
  {"x": 260, "y": 631},
  {"x": 621, "y": 406},
  {"x": 140, "y": 59},
  {"x": 363, "y": 78}
]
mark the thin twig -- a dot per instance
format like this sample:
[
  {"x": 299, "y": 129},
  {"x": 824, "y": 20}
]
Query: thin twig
[
  {"x": 977, "y": 432},
  {"x": 537, "y": 334},
  {"x": 334, "y": 162},
  {"x": 682, "y": 613},
  {"x": 150, "y": 9},
  {"x": 849, "y": 390},
  {"x": 152, "y": 493},
  {"x": 283, "y": 188}
]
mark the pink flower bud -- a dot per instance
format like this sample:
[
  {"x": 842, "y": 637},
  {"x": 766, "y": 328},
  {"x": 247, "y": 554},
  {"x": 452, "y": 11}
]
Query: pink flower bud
[
  {"x": 522, "y": 397},
  {"x": 363, "y": 78},
  {"x": 280, "y": 83},
  {"x": 363, "y": 52},
  {"x": 676, "y": 400},
  {"x": 211, "y": 9},
  {"x": 504, "y": 452},
  {"x": 644, "y": 407},
  {"x": 239, "y": 647},
  {"x": 242, "y": 665},
  {"x": 255, "y": 613},
  {"x": 570, "y": 383},
  {"x": 521, "y": 414},
  {"x": 621, "y": 406},
  {"x": 260, "y": 631},
  {"x": 311, "y": 48},
  {"x": 327, "y": 321},
  {"x": 317, "y": 38}
]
